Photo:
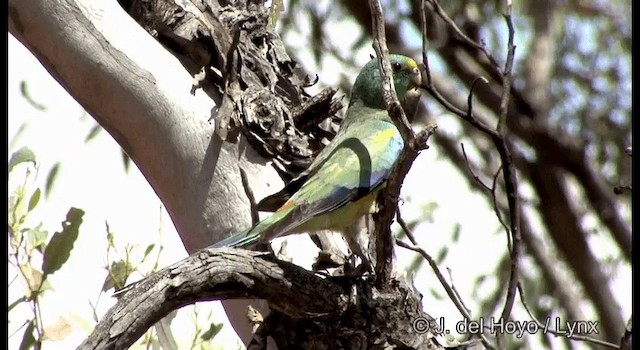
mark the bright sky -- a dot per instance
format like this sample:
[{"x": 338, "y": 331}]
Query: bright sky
[{"x": 92, "y": 178}]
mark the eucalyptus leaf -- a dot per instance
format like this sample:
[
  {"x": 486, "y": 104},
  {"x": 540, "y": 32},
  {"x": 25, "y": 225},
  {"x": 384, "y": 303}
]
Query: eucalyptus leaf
[
  {"x": 213, "y": 330},
  {"x": 25, "y": 93},
  {"x": 59, "y": 248},
  {"x": 16, "y": 303},
  {"x": 22, "y": 155},
  {"x": 51, "y": 177},
  {"x": 28, "y": 339},
  {"x": 35, "y": 198}
]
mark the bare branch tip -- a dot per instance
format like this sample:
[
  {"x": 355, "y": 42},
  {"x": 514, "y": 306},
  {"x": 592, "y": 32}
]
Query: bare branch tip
[
  {"x": 423, "y": 137},
  {"x": 508, "y": 8},
  {"x": 470, "y": 98}
]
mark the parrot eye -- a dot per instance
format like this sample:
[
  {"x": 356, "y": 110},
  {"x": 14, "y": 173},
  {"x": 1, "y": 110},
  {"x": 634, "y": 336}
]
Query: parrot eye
[{"x": 396, "y": 66}]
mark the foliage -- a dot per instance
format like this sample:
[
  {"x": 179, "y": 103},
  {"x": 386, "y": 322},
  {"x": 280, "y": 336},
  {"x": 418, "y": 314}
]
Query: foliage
[
  {"x": 29, "y": 243},
  {"x": 569, "y": 126},
  {"x": 36, "y": 254}
]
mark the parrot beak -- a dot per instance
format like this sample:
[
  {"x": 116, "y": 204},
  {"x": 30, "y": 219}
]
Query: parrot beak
[{"x": 415, "y": 77}]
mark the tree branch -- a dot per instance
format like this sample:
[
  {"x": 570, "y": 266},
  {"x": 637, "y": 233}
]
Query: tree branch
[
  {"x": 349, "y": 312},
  {"x": 413, "y": 144},
  {"x": 560, "y": 332},
  {"x": 453, "y": 295},
  {"x": 141, "y": 95},
  {"x": 498, "y": 138},
  {"x": 216, "y": 274},
  {"x": 508, "y": 170}
]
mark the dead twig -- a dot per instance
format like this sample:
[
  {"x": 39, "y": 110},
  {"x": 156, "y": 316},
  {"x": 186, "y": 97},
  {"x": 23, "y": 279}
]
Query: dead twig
[
  {"x": 545, "y": 326},
  {"x": 497, "y": 136},
  {"x": 453, "y": 295},
  {"x": 413, "y": 144},
  {"x": 255, "y": 216}
]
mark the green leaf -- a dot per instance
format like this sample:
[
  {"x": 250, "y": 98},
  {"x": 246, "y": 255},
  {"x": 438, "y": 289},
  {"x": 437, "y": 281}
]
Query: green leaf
[
  {"x": 126, "y": 160},
  {"x": 415, "y": 265},
  {"x": 22, "y": 155},
  {"x": 35, "y": 198},
  {"x": 95, "y": 130},
  {"x": 28, "y": 339},
  {"x": 37, "y": 237},
  {"x": 442, "y": 254},
  {"x": 456, "y": 232},
  {"x": 17, "y": 135},
  {"x": 148, "y": 251},
  {"x": 27, "y": 96},
  {"x": 109, "y": 235},
  {"x": 59, "y": 248},
  {"x": 214, "y": 329},
  {"x": 435, "y": 294},
  {"x": 22, "y": 299},
  {"x": 51, "y": 177},
  {"x": 119, "y": 272}
]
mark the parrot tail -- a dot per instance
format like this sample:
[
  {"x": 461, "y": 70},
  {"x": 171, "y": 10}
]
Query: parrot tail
[
  {"x": 256, "y": 233},
  {"x": 239, "y": 240}
]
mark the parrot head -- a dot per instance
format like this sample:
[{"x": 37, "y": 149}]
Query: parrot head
[{"x": 367, "y": 89}]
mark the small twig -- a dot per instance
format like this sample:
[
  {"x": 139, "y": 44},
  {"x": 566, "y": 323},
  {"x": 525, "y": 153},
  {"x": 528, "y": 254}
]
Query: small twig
[
  {"x": 496, "y": 209},
  {"x": 390, "y": 98},
  {"x": 450, "y": 292},
  {"x": 455, "y": 290},
  {"x": 425, "y": 59},
  {"x": 384, "y": 242},
  {"x": 475, "y": 177},
  {"x": 463, "y": 37},
  {"x": 506, "y": 75},
  {"x": 621, "y": 189},
  {"x": 498, "y": 138},
  {"x": 255, "y": 216},
  {"x": 491, "y": 189},
  {"x": 405, "y": 227},
  {"x": 560, "y": 333},
  {"x": 470, "y": 97},
  {"x": 413, "y": 144},
  {"x": 508, "y": 170}
]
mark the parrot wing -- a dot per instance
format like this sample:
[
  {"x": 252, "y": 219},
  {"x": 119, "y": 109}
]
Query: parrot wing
[
  {"x": 361, "y": 160},
  {"x": 342, "y": 182},
  {"x": 274, "y": 201},
  {"x": 357, "y": 164}
]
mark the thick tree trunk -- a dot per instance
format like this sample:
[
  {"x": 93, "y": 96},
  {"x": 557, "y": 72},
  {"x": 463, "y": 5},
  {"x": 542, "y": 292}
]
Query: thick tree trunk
[
  {"x": 310, "y": 312},
  {"x": 140, "y": 94}
]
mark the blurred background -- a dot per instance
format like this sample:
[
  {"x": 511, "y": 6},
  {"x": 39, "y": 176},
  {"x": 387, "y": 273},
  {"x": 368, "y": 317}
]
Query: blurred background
[{"x": 569, "y": 125}]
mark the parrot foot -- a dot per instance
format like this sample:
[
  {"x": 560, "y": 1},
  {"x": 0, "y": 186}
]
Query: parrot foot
[
  {"x": 328, "y": 260},
  {"x": 358, "y": 271}
]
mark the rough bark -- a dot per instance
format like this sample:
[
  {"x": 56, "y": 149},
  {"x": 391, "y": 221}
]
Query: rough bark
[
  {"x": 530, "y": 124},
  {"x": 176, "y": 129},
  {"x": 313, "y": 312},
  {"x": 141, "y": 95}
]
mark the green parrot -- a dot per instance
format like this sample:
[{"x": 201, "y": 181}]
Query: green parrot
[{"x": 343, "y": 181}]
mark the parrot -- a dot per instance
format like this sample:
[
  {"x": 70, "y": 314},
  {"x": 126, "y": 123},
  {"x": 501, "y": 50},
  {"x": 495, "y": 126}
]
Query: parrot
[{"x": 342, "y": 182}]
